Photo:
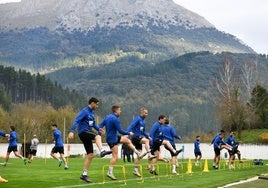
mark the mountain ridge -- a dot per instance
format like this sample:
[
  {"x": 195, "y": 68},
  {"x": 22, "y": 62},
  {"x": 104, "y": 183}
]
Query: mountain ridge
[
  {"x": 87, "y": 14},
  {"x": 43, "y": 36}
]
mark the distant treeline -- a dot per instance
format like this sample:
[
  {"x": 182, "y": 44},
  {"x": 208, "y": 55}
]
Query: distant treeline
[{"x": 20, "y": 86}]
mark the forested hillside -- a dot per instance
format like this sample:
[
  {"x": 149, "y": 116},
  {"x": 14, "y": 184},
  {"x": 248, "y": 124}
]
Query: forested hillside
[
  {"x": 182, "y": 88},
  {"x": 21, "y": 86}
]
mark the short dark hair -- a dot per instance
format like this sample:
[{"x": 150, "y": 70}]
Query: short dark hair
[
  {"x": 54, "y": 125},
  {"x": 114, "y": 108},
  {"x": 93, "y": 99},
  {"x": 167, "y": 122},
  {"x": 162, "y": 116},
  {"x": 12, "y": 128}
]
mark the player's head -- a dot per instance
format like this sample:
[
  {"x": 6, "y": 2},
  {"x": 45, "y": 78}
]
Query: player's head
[
  {"x": 162, "y": 118},
  {"x": 197, "y": 137},
  {"x": 93, "y": 103},
  {"x": 143, "y": 112},
  {"x": 54, "y": 126},
  {"x": 166, "y": 122},
  {"x": 116, "y": 109},
  {"x": 12, "y": 128}
]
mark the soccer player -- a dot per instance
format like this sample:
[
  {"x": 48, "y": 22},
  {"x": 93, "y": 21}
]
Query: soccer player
[
  {"x": 211, "y": 143},
  {"x": 218, "y": 145},
  {"x": 33, "y": 148},
  {"x": 84, "y": 122},
  {"x": 231, "y": 141},
  {"x": 3, "y": 134},
  {"x": 58, "y": 148},
  {"x": 113, "y": 125},
  {"x": 137, "y": 126},
  {"x": 156, "y": 134},
  {"x": 197, "y": 151},
  {"x": 170, "y": 134},
  {"x": 13, "y": 146}
]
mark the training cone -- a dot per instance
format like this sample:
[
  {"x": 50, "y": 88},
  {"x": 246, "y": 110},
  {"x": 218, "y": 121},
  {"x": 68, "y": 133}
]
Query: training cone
[
  {"x": 189, "y": 167},
  {"x": 206, "y": 166},
  {"x": 2, "y": 180}
]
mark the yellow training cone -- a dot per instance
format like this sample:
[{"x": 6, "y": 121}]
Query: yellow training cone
[
  {"x": 2, "y": 180},
  {"x": 189, "y": 167},
  {"x": 206, "y": 166}
]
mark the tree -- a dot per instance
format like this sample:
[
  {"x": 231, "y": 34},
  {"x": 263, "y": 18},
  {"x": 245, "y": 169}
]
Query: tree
[
  {"x": 230, "y": 111},
  {"x": 259, "y": 103}
]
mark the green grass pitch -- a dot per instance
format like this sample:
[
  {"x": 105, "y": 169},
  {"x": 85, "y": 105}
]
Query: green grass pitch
[{"x": 43, "y": 173}]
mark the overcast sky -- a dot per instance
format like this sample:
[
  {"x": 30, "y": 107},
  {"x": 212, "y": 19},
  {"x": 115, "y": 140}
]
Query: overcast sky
[{"x": 245, "y": 19}]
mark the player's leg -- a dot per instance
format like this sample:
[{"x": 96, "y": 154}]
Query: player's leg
[
  {"x": 169, "y": 146},
  {"x": 87, "y": 142},
  {"x": 137, "y": 142},
  {"x": 98, "y": 142},
  {"x": 127, "y": 141},
  {"x": 113, "y": 160},
  {"x": 63, "y": 158}
]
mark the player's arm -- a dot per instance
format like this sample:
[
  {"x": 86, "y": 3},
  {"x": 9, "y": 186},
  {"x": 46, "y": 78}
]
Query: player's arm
[
  {"x": 76, "y": 122},
  {"x": 132, "y": 125}
]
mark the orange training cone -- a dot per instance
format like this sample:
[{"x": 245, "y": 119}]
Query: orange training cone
[
  {"x": 206, "y": 166},
  {"x": 189, "y": 167}
]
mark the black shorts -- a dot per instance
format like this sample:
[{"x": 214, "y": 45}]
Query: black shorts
[
  {"x": 233, "y": 151},
  {"x": 111, "y": 145},
  {"x": 12, "y": 148},
  {"x": 137, "y": 142},
  {"x": 198, "y": 153},
  {"x": 171, "y": 152},
  {"x": 57, "y": 150},
  {"x": 86, "y": 137},
  {"x": 156, "y": 146},
  {"x": 33, "y": 152},
  {"x": 217, "y": 151}
]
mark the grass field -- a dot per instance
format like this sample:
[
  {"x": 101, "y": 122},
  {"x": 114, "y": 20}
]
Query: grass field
[{"x": 46, "y": 173}]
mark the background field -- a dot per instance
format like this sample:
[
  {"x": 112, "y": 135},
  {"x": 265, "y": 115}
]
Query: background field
[{"x": 46, "y": 173}]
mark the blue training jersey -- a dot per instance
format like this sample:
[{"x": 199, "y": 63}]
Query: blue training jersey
[
  {"x": 156, "y": 132},
  {"x": 197, "y": 146},
  {"x": 57, "y": 138},
  {"x": 169, "y": 134},
  {"x": 2, "y": 133},
  {"x": 113, "y": 125},
  {"x": 13, "y": 138},
  {"x": 218, "y": 142},
  {"x": 137, "y": 126},
  {"x": 230, "y": 140},
  {"x": 85, "y": 120}
]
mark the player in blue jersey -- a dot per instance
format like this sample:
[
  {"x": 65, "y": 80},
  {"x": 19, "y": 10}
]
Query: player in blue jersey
[
  {"x": 112, "y": 124},
  {"x": 156, "y": 133},
  {"x": 231, "y": 141},
  {"x": 218, "y": 145},
  {"x": 197, "y": 150},
  {"x": 211, "y": 143},
  {"x": 170, "y": 134},
  {"x": 137, "y": 126},
  {"x": 58, "y": 148},
  {"x": 13, "y": 147},
  {"x": 84, "y": 122},
  {"x": 3, "y": 134}
]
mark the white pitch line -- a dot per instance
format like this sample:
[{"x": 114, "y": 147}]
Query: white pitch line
[{"x": 91, "y": 184}]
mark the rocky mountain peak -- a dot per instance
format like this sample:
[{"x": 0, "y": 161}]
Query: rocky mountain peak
[{"x": 87, "y": 14}]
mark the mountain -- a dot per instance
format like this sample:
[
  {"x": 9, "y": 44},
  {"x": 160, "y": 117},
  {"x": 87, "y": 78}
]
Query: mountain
[{"x": 44, "y": 36}]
